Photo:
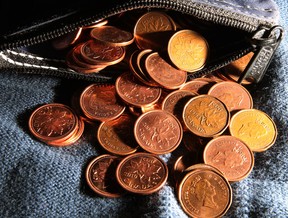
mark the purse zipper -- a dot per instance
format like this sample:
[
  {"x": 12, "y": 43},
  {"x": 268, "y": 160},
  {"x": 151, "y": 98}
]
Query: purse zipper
[{"x": 195, "y": 10}]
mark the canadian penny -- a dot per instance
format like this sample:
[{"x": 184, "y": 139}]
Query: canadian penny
[
  {"x": 158, "y": 131},
  {"x": 116, "y": 136},
  {"x": 101, "y": 176},
  {"x": 205, "y": 193},
  {"x": 188, "y": 50},
  {"x": 231, "y": 156},
  {"x": 112, "y": 35},
  {"x": 135, "y": 93},
  {"x": 142, "y": 173},
  {"x": 153, "y": 30},
  {"x": 206, "y": 116},
  {"x": 96, "y": 52},
  {"x": 51, "y": 122},
  {"x": 100, "y": 102},
  {"x": 233, "y": 95},
  {"x": 73, "y": 139},
  {"x": 175, "y": 101},
  {"x": 163, "y": 73},
  {"x": 255, "y": 128},
  {"x": 198, "y": 85}
]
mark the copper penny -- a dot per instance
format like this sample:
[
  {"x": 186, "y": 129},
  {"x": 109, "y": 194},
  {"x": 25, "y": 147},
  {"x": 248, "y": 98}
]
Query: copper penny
[
  {"x": 99, "y": 102},
  {"x": 233, "y": 95},
  {"x": 71, "y": 63},
  {"x": 136, "y": 70},
  {"x": 96, "y": 24},
  {"x": 188, "y": 50},
  {"x": 205, "y": 193},
  {"x": 158, "y": 132},
  {"x": 73, "y": 139},
  {"x": 52, "y": 122},
  {"x": 96, "y": 52},
  {"x": 134, "y": 92},
  {"x": 153, "y": 30},
  {"x": 78, "y": 59},
  {"x": 142, "y": 173},
  {"x": 112, "y": 35},
  {"x": 255, "y": 128},
  {"x": 101, "y": 176},
  {"x": 206, "y": 116},
  {"x": 163, "y": 73},
  {"x": 175, "y": 101},
  {"x": 116, "y": 136},
  {"x": 198, "y": 85},
  {"x": 231, "y": 156}
]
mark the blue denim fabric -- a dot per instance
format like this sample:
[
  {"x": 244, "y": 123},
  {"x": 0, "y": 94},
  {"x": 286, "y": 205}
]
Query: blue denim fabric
[{"x": 37, "y": 180}]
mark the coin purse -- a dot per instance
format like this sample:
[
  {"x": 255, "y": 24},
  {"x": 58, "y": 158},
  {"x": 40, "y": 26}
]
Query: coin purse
[{"x": 232, "y": 28}]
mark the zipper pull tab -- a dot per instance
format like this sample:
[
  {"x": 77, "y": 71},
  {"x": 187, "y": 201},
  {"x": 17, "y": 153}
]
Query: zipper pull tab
[{"x": 265, "y": 42}]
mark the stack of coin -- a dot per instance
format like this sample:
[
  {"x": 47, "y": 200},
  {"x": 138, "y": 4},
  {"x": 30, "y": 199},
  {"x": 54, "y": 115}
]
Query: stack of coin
[
  {"x": 105, "y": 46},
  {"x": 56, "y": 124}
]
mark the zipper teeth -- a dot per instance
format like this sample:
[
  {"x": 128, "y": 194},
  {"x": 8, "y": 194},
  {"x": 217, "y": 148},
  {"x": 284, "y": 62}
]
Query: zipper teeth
[{"x": 129, "y": 6}]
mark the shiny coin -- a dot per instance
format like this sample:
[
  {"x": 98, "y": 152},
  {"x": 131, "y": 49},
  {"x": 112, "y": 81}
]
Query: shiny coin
[
  {"x": 116, "y": 136},
  {"x": 100, "y": 176},
  {"x": 112, "y": 35},
  {"x": 73, "y": 139},
  {"x": 255, "y": 128},
  {"x": 231, "y": 156},
  {"x": 142, "y": 173},
  {"x": 99, "y": 102},
  {"x": 158, "y": 132},
  {"x": 52, "y": 122},
  {"x": 205, "y": 193},
  {"x": 233, "y": 95},
  {"x": 153, "y": 30},
  {"x": 206, "y": 116},
  {"x": 136, "y": 93},
  {"x": 163, "y": 73},
  {"x": 96, "y": 52},
  {"x": 188, "y": 50}
]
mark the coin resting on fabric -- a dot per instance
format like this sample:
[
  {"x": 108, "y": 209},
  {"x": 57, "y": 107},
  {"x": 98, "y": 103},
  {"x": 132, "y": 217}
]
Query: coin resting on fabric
[{"x": 153, "y": 109}]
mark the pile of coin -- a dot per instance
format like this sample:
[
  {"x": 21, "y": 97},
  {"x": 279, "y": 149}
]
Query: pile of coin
[
  {"x": 152, "y": 110},
  {"x": 56, "y": 124}
]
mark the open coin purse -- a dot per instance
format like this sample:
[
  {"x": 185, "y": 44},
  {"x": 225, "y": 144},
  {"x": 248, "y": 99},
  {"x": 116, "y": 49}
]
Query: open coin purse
[{"x": 231, "y": 28}]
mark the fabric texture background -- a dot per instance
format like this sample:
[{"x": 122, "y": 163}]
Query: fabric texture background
[{"x": 37, "y": 180}]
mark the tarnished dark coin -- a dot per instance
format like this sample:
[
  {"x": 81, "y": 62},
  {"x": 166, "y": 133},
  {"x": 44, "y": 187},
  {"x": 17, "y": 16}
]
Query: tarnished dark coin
[
  {"x": 142, "y": 173},
  {"x": 101, "y": 176}
]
